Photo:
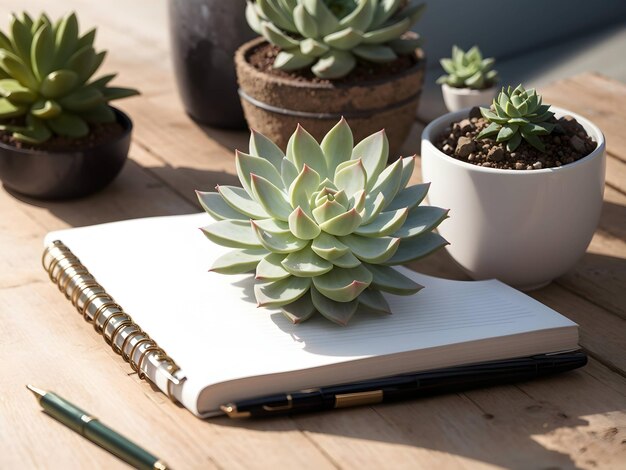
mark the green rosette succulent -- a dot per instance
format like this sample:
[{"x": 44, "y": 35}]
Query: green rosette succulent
[
  {"x": 330, "y": 35},
  {"x": 45, "y": 78},
  {"x": 323, "y": 224},
  {"x": 468, "y": 69},
  {"x": 517, "y": 114}
]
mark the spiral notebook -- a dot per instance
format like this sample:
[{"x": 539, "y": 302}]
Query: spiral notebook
[{"x": 144, "y": 285}]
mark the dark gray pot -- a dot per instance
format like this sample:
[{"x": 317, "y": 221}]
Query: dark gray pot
[{"x": 204, "y": 36}]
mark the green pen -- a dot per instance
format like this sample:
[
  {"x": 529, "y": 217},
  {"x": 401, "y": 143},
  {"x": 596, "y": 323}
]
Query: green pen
[{"x": 89, "y": 427}]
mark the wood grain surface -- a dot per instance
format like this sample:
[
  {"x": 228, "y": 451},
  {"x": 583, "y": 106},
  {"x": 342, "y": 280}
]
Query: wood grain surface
[{"x": 577, "y": 420}]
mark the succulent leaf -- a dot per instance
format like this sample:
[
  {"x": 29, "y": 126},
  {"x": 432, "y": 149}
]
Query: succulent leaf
[{"x": 324, "y": 227}]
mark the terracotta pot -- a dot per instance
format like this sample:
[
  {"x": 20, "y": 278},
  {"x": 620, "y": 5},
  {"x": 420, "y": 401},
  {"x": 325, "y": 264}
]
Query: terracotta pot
[
  {"x": 275, "y": 105},
  {"x": 65, "y": 174}
]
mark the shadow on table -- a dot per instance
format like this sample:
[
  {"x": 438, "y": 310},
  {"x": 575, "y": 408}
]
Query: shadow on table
[
  {"x": 137, "y": 192},
  {"x": 503, "y": 426},
  {"x": 231, "y": 140}
]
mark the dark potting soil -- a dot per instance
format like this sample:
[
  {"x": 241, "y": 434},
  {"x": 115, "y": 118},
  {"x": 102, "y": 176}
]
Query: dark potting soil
[
  {"x": 262, "y": 58},
  {"x": 567, "y": 143},
  {"x": 98, "y": 134}
]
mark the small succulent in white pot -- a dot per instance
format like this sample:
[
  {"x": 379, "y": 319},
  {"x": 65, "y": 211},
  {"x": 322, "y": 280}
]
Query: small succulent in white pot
[
  {"x": 470, "y": 79},
  {"x": 322, "y": 224},
  {"x": 523, "y": 223}
]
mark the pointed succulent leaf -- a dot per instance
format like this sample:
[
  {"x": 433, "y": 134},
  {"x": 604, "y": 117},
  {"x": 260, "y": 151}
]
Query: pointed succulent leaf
[
  {"x": 305, "y": 22},
  {"x": 344, "y": 40},
  {"x": 303, "y": 187},
  {"x": 326, "y": 21},
  {"x": 533, "y": 140},
  {"x": 277, "y": 37},
  {"x": 347, "y": 261},
  {"x": 302, "y": 226},
  {"x": 283, "y": 292},
  {"x": 409, "y": 197},
  {"x": 405, "y": 46},
  {"x": 36, "y": 132},
  {"x": 506, "y": 132},
  {"x": 373, "y": 206},
  {"x": 372, "y": 250},
  {"x": 343, "y": 285},
  {"x": 288, "y": 172},
  {"x": 408, "y": 165},
  {"x": 337, "y": 145},
  {"x": 271, "y": 198},
  {"x": 420, "y": 220},
  {"x": 66, "y": 39},
  {"x": 262, "y": 147},
  {"x": 82, "y": 99},
  {"x": 385, "y": 9},
  {"x": 293, "y": 59},
  {"x": 334, "y": 64},
  {"x": 306, "y": 151},
  {"x": 374, "y": 301},
  {"x": 68, "y": 125},
  {"x": 238, "y": 261},
  {"x": 351, "y": 178},
  {"x": 21, "y": 39},
  {"x": 253, "y": 18},
  {"x": 217, "y": 208},
  {"x": 86, "y": 39},
  {"x": 385, "y": 224},
  {"x": 272, "y": 11},
  {"x": 247, "y": 165},
  {"x": 299, "y": 310},
  {"x": 313, "y": 48},
  {"x": 278, "y": 242},
  {"x": 305, "y": 263},
  {"x": 374, "y": 151},
  {"x": 388, "y": 182},
  {"x": 82, "y": 62},
  {"x": 232, "y": 233},
  {"x": 271, "y": 269},
  {"x": 514, "y": 142},
  {"x": 342, "y": 224},
  {"x": 274, "y": 226},
  {"x": 239, "y": 200},
  {"x": 42, "y": 52},
  {"x": 387, "y": 33},
  {"x": 376, "y": 53},
  {"x": 117, "y": 93},
  {"x": 337, "y": 312},
  {"x": 361, "y": 17},
  {"x": 328, "y": 210},
  {"x": 14, "y": 67},
  {"x": 491, "y": 130},
  {"x": 390, "y": 280},
  {"x": 414, "y": 248},
  {"x": 329, "y": 247}
]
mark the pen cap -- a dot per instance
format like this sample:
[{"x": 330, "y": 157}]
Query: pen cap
[{"x": 64, "y": 411}]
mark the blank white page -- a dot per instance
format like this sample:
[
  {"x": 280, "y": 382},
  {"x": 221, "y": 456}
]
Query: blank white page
[{"x": 157, "y": 270}]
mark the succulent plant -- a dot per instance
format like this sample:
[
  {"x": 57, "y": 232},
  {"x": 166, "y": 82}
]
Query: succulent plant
[
  {"x": 331, "y": 35},
  {"x": 517, "y": 114},
  {"x": 323, "y": 224},
  {"x": 468, "y": 70},
  {"x": 45, "y": 72}
]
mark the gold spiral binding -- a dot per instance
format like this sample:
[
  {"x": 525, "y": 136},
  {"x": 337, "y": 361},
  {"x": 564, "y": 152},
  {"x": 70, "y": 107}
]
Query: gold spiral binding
[{"x": 74, "y": 280}]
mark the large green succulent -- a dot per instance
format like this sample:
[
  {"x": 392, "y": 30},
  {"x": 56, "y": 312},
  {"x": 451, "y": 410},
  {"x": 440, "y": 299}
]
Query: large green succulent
[
  {"x": 517, "y": 114},
  {"x": 45, "y": 72},
  {"x": 323, "y": 224},
  {"x": 331, "y": 34},
  {"x": 468, "y": 69}
]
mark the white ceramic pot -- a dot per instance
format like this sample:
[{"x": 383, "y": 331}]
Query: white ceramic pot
[
  {"x": 461, "y": 98},
  {"x": 524, "y": 227}
]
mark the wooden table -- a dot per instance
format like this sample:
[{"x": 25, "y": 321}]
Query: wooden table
[{"x": 575, "y": 420}]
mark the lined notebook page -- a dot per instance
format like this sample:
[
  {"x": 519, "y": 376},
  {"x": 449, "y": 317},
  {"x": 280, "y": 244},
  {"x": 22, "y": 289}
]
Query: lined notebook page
[{"x": 157, "y": 270}]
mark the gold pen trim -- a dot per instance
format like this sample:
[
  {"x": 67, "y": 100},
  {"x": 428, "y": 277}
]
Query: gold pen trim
[
  {"x": 231, "y": 410},
  {"x": 286, "y": 407},
  {"x": 345, "y": 400}
]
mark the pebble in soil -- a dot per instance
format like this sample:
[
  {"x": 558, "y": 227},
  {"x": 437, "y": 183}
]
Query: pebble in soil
[{"x": 568, "y": 143}]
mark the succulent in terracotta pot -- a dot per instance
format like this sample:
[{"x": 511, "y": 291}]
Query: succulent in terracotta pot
[
  {"x": 322, "y": 224},
  {"x": 319, "y": 60},
  {"x": 469, "y": 80},
  {"x": 51, "y": 106}
]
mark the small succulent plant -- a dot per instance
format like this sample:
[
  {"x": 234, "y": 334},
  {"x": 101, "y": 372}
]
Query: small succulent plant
[
  {"x": 323, "y": 224},
  {"x": 517, "y": 114},
  {"x": 331, "y": 35},
  {"x": 45, "y": 72},
  {"x": 468, "y": 70}
]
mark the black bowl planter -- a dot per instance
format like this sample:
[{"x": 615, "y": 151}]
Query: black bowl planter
[
  {"x": 204, "y": 36},
  {"x": 60, "y": 174}
]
